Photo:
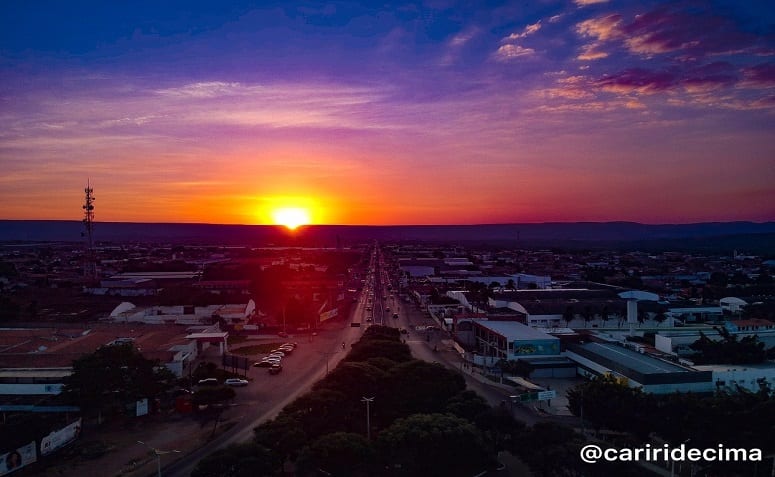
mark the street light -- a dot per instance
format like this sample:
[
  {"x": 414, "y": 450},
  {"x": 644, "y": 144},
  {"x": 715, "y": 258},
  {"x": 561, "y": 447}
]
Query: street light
[
  {"x": 158, "y": 455},
  {"x": 368, "y": 415}
]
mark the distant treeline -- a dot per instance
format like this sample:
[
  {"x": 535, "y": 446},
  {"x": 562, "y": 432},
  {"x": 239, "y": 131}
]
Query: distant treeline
[{"x": 715, "y": 236}]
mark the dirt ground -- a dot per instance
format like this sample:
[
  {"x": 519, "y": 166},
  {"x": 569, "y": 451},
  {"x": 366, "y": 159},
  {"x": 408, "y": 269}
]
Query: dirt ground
[{"x": 122, "y": 455}]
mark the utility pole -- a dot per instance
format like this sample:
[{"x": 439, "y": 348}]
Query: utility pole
[
  {"x": 158, "y": 455},
  {"x": 368, "y": 415}
]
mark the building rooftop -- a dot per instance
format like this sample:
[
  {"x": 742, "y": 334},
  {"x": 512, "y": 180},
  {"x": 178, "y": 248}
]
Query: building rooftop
[
  {"x": 512, "y": 330},
  {"x": 640, "y": 363}
]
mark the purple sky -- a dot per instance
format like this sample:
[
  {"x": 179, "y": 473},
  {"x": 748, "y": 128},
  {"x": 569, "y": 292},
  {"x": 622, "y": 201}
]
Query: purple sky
[{"x": 413, "y": 113}]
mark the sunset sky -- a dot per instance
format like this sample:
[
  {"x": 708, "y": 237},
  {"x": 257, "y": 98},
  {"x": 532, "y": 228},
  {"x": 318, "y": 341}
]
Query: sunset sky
[{"x": 428, "y": 112}]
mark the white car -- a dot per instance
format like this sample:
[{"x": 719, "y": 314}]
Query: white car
[{"x": 236, "y": 382}]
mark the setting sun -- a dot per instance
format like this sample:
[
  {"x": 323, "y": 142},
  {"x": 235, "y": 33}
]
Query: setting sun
[{"x": 291, "y": 217}]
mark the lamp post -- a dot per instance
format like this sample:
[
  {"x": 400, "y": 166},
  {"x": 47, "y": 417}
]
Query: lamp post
[
  {"x": 368, "y": 415},
  {"x": 158, "y": 455}
]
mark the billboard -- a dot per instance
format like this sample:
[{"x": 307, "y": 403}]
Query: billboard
[
  {"x": 60, "y": 438},
  {"x": 536, "y": 347},
  {"x": 18, "y": 458},
  {"x": 329, "y": 314}
]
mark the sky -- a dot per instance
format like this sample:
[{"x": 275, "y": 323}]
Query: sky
[{"x": 427, "y": 112}]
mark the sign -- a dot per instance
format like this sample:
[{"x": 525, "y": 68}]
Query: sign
[
  {"x": 546, "y": 395},
  {"x": 329, "y": 314},
  {"x": 18, "y": 458},
  {"x": 60, "y": 438},
  {"x": 141, "y": 407}
]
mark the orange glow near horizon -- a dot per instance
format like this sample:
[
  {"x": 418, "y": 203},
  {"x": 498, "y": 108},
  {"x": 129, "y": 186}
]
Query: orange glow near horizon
[{"x": 291, "y": 217}]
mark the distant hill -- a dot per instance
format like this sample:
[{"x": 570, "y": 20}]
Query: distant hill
[{"x": 577, "y": 234}]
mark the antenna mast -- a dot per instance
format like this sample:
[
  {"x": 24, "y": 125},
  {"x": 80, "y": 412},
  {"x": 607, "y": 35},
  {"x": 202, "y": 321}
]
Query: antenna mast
[{"x": 90, "y": 265}]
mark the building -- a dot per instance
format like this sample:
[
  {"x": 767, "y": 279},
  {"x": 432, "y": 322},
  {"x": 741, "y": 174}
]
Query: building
[
  {"x": 127, "y": 312},
  {"x": 639, "y": 370},
  {"x": 509, "y": 340}
]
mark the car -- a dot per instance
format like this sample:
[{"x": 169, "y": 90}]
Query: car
[
  {"x": 265, "y": 363},
  {"x": 275, "y": 368},
  {"x": 282, "y": 334},
  {"x": 285, "y": 349},
  {"x": 395, "y": 316},
  {"x": 292, "y": 345},
  {"x": 208, "y": 382},
  {"x": 236, "y": 382},
  {"x": 277, "y": 353}
]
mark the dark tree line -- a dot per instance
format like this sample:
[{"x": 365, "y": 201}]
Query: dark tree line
[
  {"x": 423, "y": 422},
  {"x": 740, "y": 420},
  {"x": 728, "y": 350}
]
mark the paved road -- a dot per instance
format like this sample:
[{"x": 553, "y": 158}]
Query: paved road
[{"x": 267, "y": 395}]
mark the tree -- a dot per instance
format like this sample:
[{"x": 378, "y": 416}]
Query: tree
[
  {"x": 660, "y": 317},
  {"x": 434, "y": 445},
  {"x": 604, "y": 314},
  {"x": 284, "y": 435},
  {"x": 358, "y": 378},
  {"x": 393, "y": 350},
  {"x": 466, "y": 404},
  {"x": 587, "y": 314},
  {"x": 247, "y": 459},
  {"x": 213, "y": 395},
  {"x": 568, "y": 315},
  {"x": 728, "y": 350},
  {"x": 610, "y": 403},
  {"x": 114, "y": 376},
  {"x": 419, "y": 387},
  {"x": 341, "y": 454}
]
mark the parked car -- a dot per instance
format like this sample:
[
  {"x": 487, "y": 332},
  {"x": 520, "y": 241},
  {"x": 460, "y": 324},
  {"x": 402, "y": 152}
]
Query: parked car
[
  {"x": 277, "y": 352},
  {"x": 265, "y": 363},
  {"x": 293, "y": 344},
  {"x": 282, "y": 334},
  {"x": 208, "y": 382},
  {"x": 275, "y": 368},
  {"x": 236, "y": 382}
]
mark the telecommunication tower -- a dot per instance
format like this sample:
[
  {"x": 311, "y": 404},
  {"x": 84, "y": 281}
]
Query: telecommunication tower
[{"x": 89, "y": 265}]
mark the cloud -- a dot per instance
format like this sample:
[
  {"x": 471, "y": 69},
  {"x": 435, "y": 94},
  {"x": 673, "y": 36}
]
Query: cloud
[
  {"x": 698, "y": 80},
  {"x": 510, "y": 52},
  {"x": 527, "y": 31},
  {"x": 456, "y": 44},
  {"x": 463, "y": 37},
  {"x": 601, "y": 29},
  {"x": 636, "y": 80},
  {"x": 208, "y": 89},
  {"x": 759, "y": 76},
  {"x": 698, "y": 33},
  {"x": 583, "y": 3},
  {"x": 570, "y": 88},
  {"x": 591, "y": 52}
]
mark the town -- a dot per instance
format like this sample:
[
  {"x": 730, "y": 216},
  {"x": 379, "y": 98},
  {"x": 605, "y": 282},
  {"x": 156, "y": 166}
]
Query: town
[{"x": 529, "y": 329}]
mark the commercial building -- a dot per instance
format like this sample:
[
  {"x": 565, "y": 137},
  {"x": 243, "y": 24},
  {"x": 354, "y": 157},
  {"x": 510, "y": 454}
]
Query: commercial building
[{"x": 640, "y": 370}]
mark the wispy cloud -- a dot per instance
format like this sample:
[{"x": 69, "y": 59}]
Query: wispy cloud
[
  {"x": 527, "y": 31},
  {"x": 583, "y": 3},
  {"x": 511, "y": 52}
]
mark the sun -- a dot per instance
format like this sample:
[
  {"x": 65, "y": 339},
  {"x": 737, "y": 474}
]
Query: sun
[{"x": 291, "y": 217}]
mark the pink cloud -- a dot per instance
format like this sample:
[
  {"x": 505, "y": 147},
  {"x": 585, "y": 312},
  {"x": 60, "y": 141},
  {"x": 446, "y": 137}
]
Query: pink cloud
[
  {"x": 510, "y": 52},
  {"x": 762, "y": 75},
  {"x": 636, "y": 80},
  {"x": 602, "y": 28}
]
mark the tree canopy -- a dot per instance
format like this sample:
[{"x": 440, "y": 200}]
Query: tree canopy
[{"x": 114, "y": 376}]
